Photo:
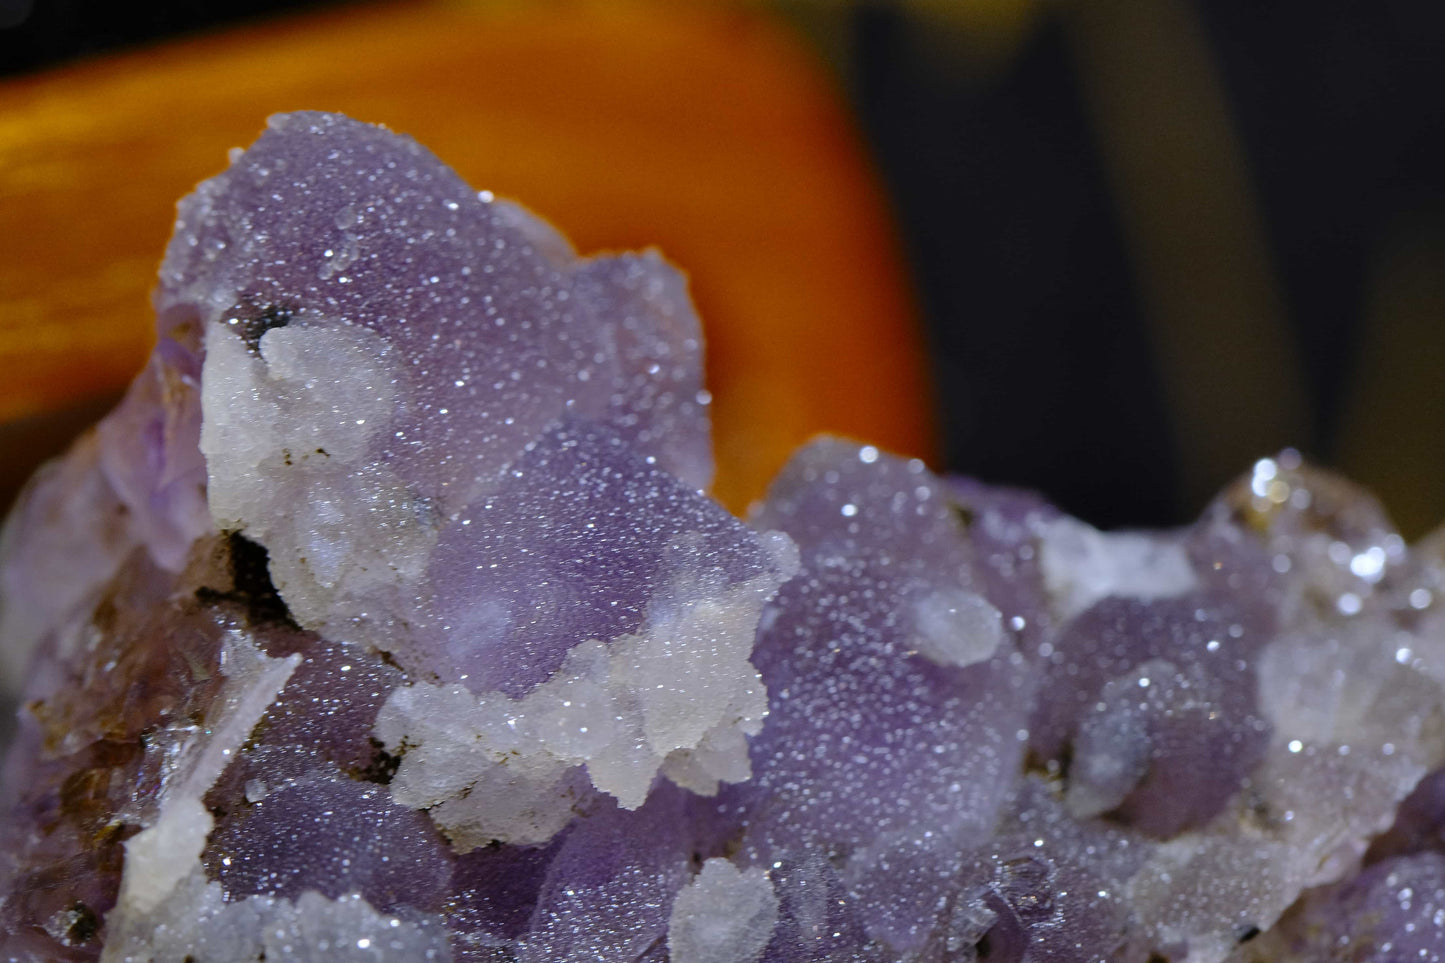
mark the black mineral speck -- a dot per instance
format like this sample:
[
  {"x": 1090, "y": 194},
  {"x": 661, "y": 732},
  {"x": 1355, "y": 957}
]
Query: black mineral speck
[
  {"x": 251, "y": 585},
  {"x": 251, "y": 326}
]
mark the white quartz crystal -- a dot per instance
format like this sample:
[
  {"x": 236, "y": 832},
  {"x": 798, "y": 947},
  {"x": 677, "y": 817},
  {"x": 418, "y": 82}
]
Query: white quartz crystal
[
  {"x": 724, "y": 915},
  {"x": 957, "y": 628},
  {"x": 1082, "y": 565},
  {"x": 162, "y": 862},
  {"x": 678, "y": 697},
  {"x": 287, "y": 436},
  {"x": 198, "y": 925}
]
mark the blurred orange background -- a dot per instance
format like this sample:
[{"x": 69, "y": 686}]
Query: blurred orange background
[
  {"x": 708, "y": 132},
  {"x": 1143, "y": 241}
]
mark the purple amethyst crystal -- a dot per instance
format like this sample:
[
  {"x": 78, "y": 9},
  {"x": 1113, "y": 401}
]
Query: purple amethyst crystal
[{"x": 387, "y": 619}]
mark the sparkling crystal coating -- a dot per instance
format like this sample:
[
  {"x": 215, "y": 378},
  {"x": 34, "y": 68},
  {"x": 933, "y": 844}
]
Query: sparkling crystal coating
[{"x": 386, "y": 619}]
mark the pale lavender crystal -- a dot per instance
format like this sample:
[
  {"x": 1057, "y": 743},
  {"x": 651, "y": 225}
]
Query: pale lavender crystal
[
  {"x": 610, "y": 886},
  {"x": 386, "y": 619},
  {"x": 501, "y": 330},
  {"x": 578, "y": 503},
  {"x": 883, "y": 648},
  {"x": 522, "y": 509},
  {"x": 335, "y": 836}
]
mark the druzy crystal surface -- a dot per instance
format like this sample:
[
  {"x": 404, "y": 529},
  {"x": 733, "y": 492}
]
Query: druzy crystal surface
[{"x": 386, "y": 619}]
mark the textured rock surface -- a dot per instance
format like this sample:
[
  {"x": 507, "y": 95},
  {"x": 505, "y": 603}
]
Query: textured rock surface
[{"x": 386, "y": 620}]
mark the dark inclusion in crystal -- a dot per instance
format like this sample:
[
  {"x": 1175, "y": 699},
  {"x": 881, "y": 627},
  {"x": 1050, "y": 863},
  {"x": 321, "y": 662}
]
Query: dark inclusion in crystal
[
  {"x": 252, "y": 325},
  {"x": 251, "y": 587}
]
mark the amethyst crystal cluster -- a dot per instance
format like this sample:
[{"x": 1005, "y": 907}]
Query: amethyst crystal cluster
[{"x": 385, "y": 619}]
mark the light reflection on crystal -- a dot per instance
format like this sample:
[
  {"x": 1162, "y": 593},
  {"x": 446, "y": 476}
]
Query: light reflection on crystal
[{"x": 544, "y": 701}]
